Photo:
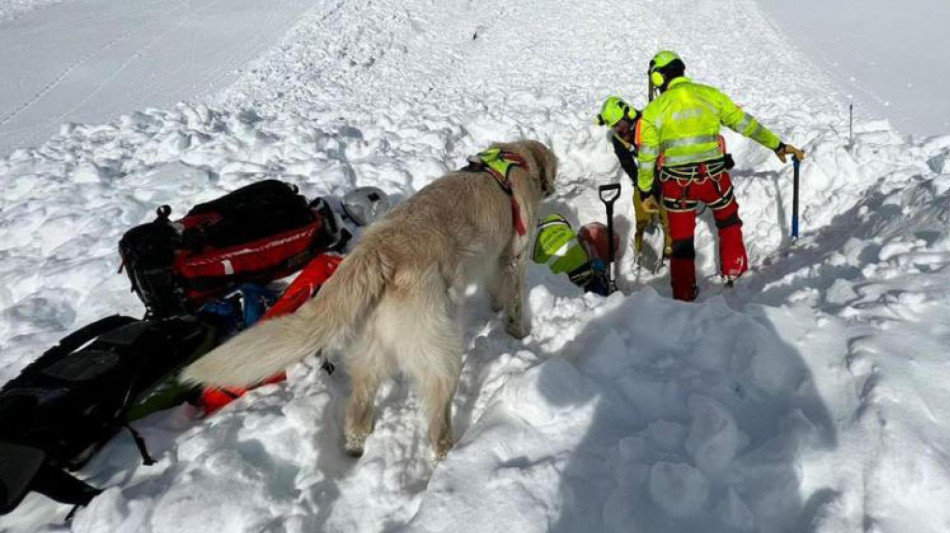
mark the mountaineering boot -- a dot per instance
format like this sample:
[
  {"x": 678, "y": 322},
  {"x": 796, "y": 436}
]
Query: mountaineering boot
[
  {"x": 638, "y": 240},
  {"x": 693, "y": 295}
]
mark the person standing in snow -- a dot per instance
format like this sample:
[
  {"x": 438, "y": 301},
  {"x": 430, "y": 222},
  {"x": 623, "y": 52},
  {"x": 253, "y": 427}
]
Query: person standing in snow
[
  {"x": 622, "y": 118},
  {"x": 678, "y": 138}
]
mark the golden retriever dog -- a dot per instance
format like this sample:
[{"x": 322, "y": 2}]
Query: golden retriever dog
[{"x": 392, "y": 304}]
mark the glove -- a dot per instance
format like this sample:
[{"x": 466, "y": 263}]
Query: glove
[
  {"x": 786, "y": 149},
  {"x": 649, "y": 203}
]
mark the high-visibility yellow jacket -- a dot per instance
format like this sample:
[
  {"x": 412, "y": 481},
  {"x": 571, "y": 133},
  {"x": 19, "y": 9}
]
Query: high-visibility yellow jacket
[
  {"x": 557, "y": 245},
  {"x": 682, "y": 125}
]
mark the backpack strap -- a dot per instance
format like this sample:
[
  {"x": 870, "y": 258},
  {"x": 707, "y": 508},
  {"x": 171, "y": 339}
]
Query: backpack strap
[
  {"x": 70, "y": 344},
  {"x": 140, "y": 444},
  {"x": 498, "y": 163},
  {"x": 26, "y": 468},
  {"x": 62, "y": 487}
]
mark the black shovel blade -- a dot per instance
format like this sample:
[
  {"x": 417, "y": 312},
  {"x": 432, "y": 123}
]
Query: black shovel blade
[{"x": 609, "y": 193}]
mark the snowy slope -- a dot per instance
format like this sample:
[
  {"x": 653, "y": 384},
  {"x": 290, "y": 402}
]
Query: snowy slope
[
  {"x": 92, "y": 60},
  {"x": 810, "y": 398},
  {"x": 890, "y": 58},
  {"x": 11, "y": 9}
]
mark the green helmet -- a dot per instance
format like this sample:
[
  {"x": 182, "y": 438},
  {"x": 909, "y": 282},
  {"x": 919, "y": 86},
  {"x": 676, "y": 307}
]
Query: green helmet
[
  {"x": 662, "y": 59},
  {"x": 613, "y": 111},
  {"x": 659, "y": 76}
]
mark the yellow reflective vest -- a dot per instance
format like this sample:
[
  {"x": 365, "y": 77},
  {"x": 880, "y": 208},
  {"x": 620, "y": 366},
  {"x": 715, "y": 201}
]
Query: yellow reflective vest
[
  {"x": 557, "y": 246},
  {"x": 682, "y": 125}
]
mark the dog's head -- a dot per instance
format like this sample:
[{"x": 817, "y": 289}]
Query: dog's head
[{"x": 546, "y": 164}]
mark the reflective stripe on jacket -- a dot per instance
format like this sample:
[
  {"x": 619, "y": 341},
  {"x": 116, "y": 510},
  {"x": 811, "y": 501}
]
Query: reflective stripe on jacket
[
  {"x": 557, "y": 246},
  {"x": 683, "y": 123}
]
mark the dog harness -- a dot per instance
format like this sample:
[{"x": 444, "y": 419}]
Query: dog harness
[{"x": 498, "y": 164}]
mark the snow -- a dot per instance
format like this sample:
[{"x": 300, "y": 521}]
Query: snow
[
  {"x": 88, "y": 61},
  {"x": 11, "y": 9},
  {"x": 891, "y": 58},
  {"x": 811, "y": 397}
]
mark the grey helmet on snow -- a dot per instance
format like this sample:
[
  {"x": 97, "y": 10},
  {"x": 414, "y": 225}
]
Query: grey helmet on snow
[{"x": 364, "y": 205}]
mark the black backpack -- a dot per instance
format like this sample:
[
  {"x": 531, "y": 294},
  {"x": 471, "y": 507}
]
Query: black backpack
[{"x": 65, "y": 405}]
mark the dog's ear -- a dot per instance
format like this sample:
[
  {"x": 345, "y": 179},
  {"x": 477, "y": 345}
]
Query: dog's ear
[{"x": 547, "y": 164}]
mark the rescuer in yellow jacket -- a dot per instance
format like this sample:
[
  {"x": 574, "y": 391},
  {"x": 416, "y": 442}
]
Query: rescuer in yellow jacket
[
  {"x": 621, "y": 118},
  {"x": 678, "y": 138}
]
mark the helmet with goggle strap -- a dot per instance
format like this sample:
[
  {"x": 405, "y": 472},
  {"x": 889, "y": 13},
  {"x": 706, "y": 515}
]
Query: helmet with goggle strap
[
  {"x": 613, "y": 111},
  {"x": 657, "y": 65}
]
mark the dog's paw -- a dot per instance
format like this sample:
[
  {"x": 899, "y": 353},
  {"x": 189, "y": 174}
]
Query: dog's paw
[
  {"x": 442, "y": 449},
  {"x": 354, "y": 445}
]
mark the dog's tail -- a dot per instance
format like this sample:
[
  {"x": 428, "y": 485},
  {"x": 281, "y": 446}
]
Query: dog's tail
[{"x": 324, "y": 323}]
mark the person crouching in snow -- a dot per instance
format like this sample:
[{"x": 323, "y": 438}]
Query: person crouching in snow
[
  {"x": 622, "y": 118},
  {"x": 679, "y": 133}
]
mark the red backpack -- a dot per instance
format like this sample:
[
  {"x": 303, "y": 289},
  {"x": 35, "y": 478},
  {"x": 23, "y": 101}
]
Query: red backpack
[
  {"x": 258, "y": 233},
  {"x": 304, "y": 287}
]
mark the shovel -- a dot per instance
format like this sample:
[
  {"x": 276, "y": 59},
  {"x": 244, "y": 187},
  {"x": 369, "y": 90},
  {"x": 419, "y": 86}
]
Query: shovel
[{"x": 608, "y": 195}]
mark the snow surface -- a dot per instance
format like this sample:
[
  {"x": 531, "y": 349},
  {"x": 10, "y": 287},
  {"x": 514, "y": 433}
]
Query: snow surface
[
  {"x": 88, "y": 61},
  {"x": 891, "y": 58},
  {"x": 811, "y": 397},
  {"x": 11, "y": 9}
]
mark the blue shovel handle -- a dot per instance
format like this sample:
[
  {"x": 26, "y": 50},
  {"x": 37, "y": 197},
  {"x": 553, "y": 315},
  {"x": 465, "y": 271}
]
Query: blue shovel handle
[{"x": 796, "y": 164}]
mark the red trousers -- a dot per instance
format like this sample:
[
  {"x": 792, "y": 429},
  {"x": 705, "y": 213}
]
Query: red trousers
[{"x": 681, "y": 197}]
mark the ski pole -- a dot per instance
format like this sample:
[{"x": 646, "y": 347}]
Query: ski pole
[
  {"x": 851, "y": 126},
  {"x": 795, "y": 165},
  {"x": 609, "y": 194}
]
